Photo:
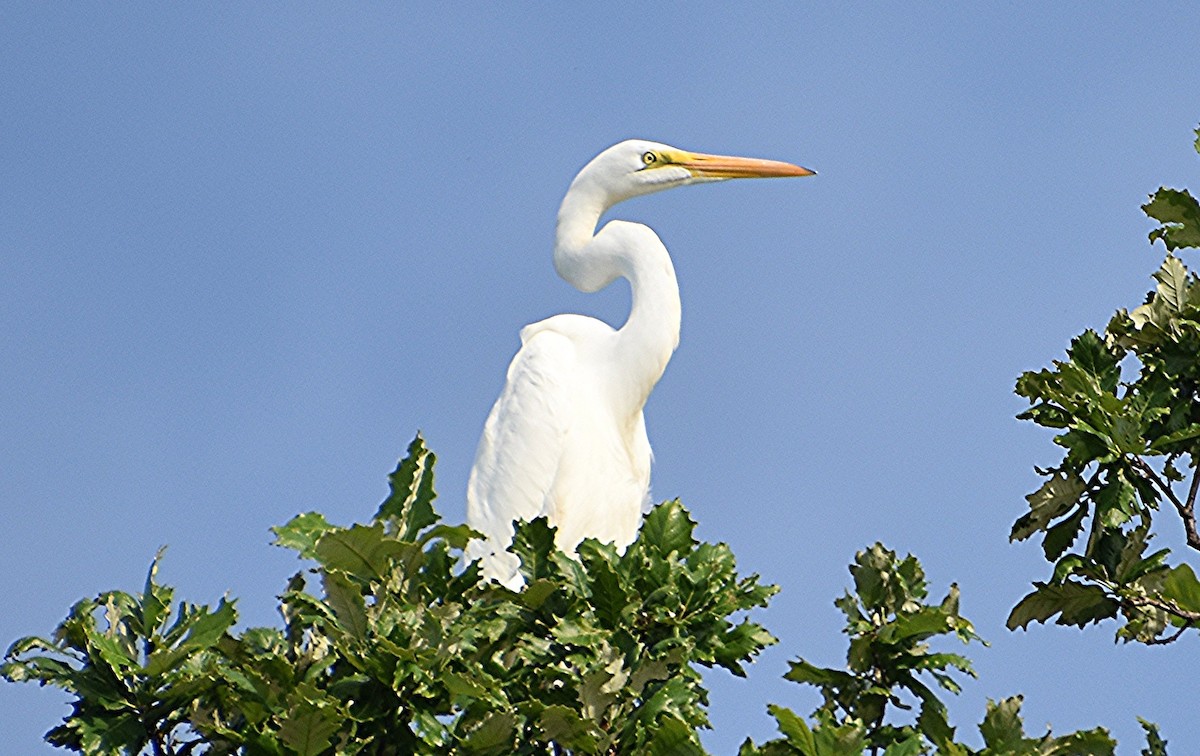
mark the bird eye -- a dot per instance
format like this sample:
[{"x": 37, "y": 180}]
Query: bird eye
[{"x": 649, "y": 158}]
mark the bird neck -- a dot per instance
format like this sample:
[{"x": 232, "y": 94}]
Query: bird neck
[{"x": 590, "y": 261}]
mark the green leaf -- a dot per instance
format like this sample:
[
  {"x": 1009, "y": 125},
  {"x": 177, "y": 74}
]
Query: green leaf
[
  {"x": 794, "y": 728},
  {"x": 533, "y": 543},
  {"x": 1057, "y": 495},
  {"x": 1096, "y": 742},
  {"x": 346, "y": 600},
  {"x": 1182, "y": 587},
  {"x": 741, "y": 644},
  {"x": 1089, "y": 352},
  {"x": 668, "y": 528},
  {"x": 1002, "y": 728},
  {"x": 1116, "y": 501},
  {"x": 923, "y": 623},
  {"x": 1173, "y": 283},
  {"x": 1155, "y": 745},
  {"x": 1078, "y": 604},
  {"x": 536, "y": 593},
  {"x": 456, "y": 536},
  {"x": 673, "y": 737},
  {"x": 209, "y": 627},
  {"x": 910, "y": 746},
  {"x": 803, "y": 672},
  {"x": 933, "y": 721},
  {"x": 848, "y": 739},
  {"x": 1179, "y": 213},
  {"x": 1183, "y": 434},
  {"x": 155, "y": 598},
  {"x": 410, "y": 503},
  {"x": 493, "y": 736},
  {"x": 363, "y": 551},
  {"x": 1060, "y": 536},
  {"x": 309, "y": 726},
  {"x": 301, "y": 533},
  {"x": 608, "y": 596},
  {"x": 563, "y": 725}
]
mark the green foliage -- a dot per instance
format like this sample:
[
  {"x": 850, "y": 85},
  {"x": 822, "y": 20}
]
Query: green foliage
[
  {"x": 1179, "y": 213},
  {"x": 1126, "y": 408},
  {"x": 891, "y": 627},
  {"x": 391, "y": 646},
  {"x": 134, "y": 665},
  {"x": 1155, "y": 745}
]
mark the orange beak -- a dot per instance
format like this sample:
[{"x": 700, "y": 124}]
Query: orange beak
[{"x": 723, "y": 166}]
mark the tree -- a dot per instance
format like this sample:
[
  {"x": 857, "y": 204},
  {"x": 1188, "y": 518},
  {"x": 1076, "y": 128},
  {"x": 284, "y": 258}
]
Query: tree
[
  {"x": 1126, "y": 406},
  {"x": 390, "y": 646}
]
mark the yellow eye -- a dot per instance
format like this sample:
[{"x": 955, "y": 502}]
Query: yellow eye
[{"x": 649, "y": 158}]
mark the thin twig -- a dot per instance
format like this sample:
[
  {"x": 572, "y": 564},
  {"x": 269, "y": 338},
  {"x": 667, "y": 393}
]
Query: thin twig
[{"x": 1170, "y": 638}]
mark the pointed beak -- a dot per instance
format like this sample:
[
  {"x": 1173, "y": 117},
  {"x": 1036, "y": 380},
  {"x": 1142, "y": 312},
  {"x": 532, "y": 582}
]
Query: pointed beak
[{"x": 723, "y": 166}]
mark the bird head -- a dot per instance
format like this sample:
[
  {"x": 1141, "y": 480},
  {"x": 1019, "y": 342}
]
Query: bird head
[{"x": 636, "y": 167}]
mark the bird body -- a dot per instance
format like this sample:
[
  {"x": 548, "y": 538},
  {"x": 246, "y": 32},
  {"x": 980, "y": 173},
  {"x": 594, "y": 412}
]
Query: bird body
[{"x": 567, "y": 437}]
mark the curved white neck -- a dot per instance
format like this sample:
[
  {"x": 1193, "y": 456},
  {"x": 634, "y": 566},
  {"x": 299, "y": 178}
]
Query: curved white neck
[{"x": 590, "y": 261}]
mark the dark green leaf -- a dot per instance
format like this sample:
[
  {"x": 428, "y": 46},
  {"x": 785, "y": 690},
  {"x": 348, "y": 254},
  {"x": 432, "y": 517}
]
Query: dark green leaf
[
  {"x": 563, "y": 725},
  {"x": 1061, "y": 535},
  {"x": 608, "y": 596},
  {"x": 667, "y": 528},
  {"x": 533, "y": 544},
  {"x": 309, "y": 726},
  {"x": 923, "y": 623},
  {"x": 1078, "y": 604},
  {"x": 410, "y": 503},
  {"x": 493, "y": 736},
  {"x": 455, "y": 535},
  {"x": 801, "y": 671},
  {"x": 673, "y": 737},
  {"x": 1183, "y": 434},
  {"x": 794, "y": 728},
  {"x": 155, "y": 598},
  {"x": 1155, "y": 744},
  {"x": 910, "y": 746},
  {"x": 209, "y": 627},
  {"x": 1095, "y": 742},
  {"x": 934, "y": 723}
]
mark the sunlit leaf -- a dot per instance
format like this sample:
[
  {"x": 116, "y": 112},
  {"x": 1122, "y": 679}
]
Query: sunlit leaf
[
  {"x": 301, "y": 533},
  {"x": 1181, "y": 587},
  {"x": 1179, "y": 213}
]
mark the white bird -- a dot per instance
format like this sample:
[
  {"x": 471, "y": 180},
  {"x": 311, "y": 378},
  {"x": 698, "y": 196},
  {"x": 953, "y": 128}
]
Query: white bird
[{"x": 567, "y": 439}]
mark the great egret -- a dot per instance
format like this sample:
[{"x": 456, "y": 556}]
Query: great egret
[{"x": 567, "y": 439}]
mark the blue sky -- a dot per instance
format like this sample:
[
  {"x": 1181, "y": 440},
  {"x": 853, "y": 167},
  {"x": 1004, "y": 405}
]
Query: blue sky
[{"x": 247, "y": 252}]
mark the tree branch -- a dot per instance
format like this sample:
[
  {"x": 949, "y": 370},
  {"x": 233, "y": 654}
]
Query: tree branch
[
  {"x": 1187, "y": 510},
  {"x": 1170, "y": 638},
  {"x": 1190, "y": 619}
]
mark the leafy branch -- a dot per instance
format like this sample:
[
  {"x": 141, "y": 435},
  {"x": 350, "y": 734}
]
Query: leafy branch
[
  {"x": 390, "y": 645},
  {"x": 1126, "y": 409},
  {"x": 891, "y": 629}
]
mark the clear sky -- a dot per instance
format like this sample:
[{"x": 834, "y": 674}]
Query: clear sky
[{"x": 246, "y": 252}]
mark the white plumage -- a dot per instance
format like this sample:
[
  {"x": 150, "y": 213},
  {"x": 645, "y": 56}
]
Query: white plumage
[{"x": 567, "y": 439}]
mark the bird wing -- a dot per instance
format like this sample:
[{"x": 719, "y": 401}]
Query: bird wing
[{"x": 524, "y": 437}]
